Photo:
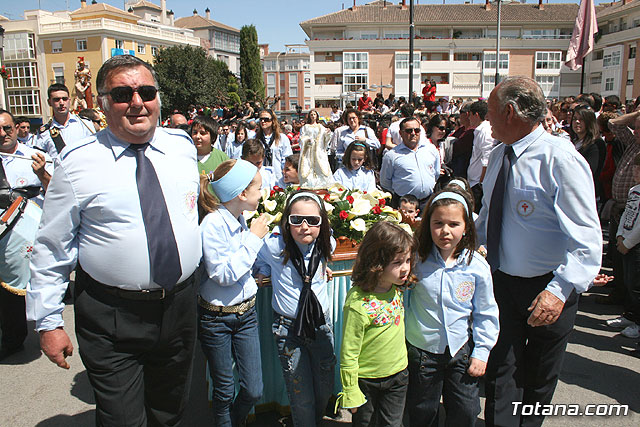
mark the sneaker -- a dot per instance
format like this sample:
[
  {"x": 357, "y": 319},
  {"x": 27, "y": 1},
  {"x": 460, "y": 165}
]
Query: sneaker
[
  {"x": 632, "y": 331},
  {"x": 619, "y": 322}
]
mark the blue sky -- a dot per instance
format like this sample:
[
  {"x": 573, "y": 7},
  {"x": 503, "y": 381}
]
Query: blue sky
[{"x": 277, "y": 21}]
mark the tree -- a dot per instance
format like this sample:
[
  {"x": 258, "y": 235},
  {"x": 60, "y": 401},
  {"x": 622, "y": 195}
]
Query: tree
[
  {"x": 188, "y": 76},
  {"x": 250, "y": 67}
]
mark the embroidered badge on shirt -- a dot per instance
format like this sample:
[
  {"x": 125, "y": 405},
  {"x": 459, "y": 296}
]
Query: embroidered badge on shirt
[
  {"x": 190, "y": 200},
  {"x": 464, "y": 291},
  {"x": 525, "y": 208},
  {"x": 21, "y": 182},
  {"x": 382, "y": 312}
]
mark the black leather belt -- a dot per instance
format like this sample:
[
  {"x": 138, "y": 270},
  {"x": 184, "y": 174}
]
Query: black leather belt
[{"x": 137, "y": 295}]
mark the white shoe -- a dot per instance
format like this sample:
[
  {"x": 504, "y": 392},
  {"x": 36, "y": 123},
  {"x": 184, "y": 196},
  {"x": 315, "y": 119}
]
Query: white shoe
[
  {"x": 619, "y": 322},
  {"x": 632, "y": 331}
]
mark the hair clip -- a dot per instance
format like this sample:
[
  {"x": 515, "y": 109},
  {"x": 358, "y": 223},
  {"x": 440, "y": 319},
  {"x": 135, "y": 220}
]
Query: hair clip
[{"x": 210, "y": 177}]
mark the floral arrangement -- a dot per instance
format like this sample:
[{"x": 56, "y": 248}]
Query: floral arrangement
[
  {"x": 4, "y": 73},
  {"x": 351, "y": 212}
]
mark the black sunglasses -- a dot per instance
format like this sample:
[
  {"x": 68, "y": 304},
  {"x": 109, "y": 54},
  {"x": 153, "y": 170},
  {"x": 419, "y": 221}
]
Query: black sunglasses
[
  {"x": 7, "y": 129},
  {"x": 442, "y": 127},
  {"x": 311, "y": 220},
  {"x": 412, "y": 130},
  {"x": 122, "y": 94},
  {"x": 266, "y": 119}
]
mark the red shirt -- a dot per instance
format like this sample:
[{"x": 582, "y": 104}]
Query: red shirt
[{"x": 362, "y": 102}]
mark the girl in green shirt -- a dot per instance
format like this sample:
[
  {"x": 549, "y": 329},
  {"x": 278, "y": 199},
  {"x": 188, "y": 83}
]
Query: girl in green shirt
[{"x": 373, "y": 359}]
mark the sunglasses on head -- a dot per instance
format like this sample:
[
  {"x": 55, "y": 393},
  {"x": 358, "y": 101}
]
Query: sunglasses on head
[
  {"x": 122, "y": 94},
  {"x": 412, "y": 130},
  {"x": 311, "y": 220}
]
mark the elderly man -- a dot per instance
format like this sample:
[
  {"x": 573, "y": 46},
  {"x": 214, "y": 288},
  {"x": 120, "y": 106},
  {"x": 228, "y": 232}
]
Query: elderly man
[
  {"x": 22, "y": 173},
  {"x": 63, "y": 128},
  {"x": 177, "y": 120},
  {"x": 544, "y": 245},
  {"x": 122, "y": 206},
  {"x": 412, "y": 167}
]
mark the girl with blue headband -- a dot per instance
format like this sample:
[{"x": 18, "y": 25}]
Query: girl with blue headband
[
  {"x": 296, "y": 261},
  {"x": 227, "y": 319},
  {"x": 451, "y": 315}
]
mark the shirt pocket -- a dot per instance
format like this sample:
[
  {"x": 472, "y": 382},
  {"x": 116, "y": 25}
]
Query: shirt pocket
[{"x": 526, "y": 201}]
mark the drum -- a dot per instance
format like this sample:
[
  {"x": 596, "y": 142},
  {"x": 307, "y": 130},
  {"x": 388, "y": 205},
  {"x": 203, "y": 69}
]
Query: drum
[{"x": 20, "y": 222}]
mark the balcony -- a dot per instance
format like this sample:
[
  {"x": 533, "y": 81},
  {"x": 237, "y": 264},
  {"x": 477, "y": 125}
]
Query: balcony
[
  {"x": 121, "y": 27},
  {"x": 327, "y": 67},
  {"x": 326, "y": 91}
]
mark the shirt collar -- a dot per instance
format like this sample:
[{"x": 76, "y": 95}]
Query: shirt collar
[
  {"x": 119, "y": 146},
  {"x": 233, "y": 223},
  {"x": 462, "y": 258},
  {"x": 521, "y": 145},
  {"x": 72, "y": 119},
  {"x": 482, "y": 126},
  {"x": 421, "y": 143}
]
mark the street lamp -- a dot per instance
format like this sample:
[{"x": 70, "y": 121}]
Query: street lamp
[
  {"x": 2, "y": 63},
  {"x": 497, "y": 77}
]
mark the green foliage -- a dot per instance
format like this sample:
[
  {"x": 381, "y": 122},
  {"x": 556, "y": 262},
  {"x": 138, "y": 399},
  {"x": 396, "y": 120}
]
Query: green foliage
[
  {"x": 250, "y": 67},
  {"x": 188, "y": 76}
]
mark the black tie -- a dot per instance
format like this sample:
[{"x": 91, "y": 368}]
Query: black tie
[
  {"x": 163, "y": 249},
  {"x": 494, "y": 224}
]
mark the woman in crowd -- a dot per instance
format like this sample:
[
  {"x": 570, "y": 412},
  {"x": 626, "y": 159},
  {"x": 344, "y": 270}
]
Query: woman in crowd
[
  {"x": 354, "y": 131},
  {"x": 436, "y": 129},
  {"x": 276, "y": 144},
  {"x": 586, "y": 138}
]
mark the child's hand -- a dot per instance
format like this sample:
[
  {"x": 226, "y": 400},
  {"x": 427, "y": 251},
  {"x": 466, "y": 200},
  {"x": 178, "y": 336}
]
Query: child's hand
[
  {"x": 477, "y": 367},
  {"x": 353, "y": 410},
  {"x": 260, "y": 280},
  {"x": 329, "y": 273},
  {"x": 259, "y": 226}
]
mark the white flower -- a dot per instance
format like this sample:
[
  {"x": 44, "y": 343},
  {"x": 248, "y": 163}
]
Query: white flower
[
  {"x": 358, "y": 224},
  {"x": 273, "y": 219},
  {"x": 265, "y": 193},
  {"x": 328, "y": 207},
  {"x": 360, "y": 207},
  {"x": 406, "y": 228},
  {"x": 249, "y": 214},
  {"x": 270, "y": 205}
]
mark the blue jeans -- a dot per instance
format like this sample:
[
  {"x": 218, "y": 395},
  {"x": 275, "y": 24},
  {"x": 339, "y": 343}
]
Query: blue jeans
[
  {"x": 224, "y": 339},
  {"x": 433, "y": 375},
  {"x": 308, "y": 370}
]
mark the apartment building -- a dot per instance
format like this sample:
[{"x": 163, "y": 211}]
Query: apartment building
[
  {"x": 367, "y": 46},
  {"x": 287, "y": 75},
  {"x": 221, "y": 41},
  {"x": 44, "y": 48}
]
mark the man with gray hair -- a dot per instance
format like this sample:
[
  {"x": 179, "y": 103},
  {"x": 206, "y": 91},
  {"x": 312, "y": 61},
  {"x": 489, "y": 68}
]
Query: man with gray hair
[
  {"x": 122, "y": 208},
  {"x": 544, "y": 244}
]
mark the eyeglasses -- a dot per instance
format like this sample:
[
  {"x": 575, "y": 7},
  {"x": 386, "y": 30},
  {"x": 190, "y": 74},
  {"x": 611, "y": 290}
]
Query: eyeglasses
[
  {"x": 7, "y": 129},
  {"x": 311, "y": 220},
  {"x": 266, "y": 119},
  {"x": 412, "y": 130},
  {"x": 124, "y": 94}
]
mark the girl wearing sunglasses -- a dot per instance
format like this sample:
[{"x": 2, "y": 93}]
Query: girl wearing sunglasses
[
  {"x": 227, "y": 318},
  {"x": 296, "y": 260},
  {"x": 277, "y": 145},
  {"x": 436, "y": 129}
]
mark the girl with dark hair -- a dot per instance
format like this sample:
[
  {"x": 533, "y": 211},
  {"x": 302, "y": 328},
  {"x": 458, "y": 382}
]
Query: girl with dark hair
[
  {"x": 354, "y": 131},
  {"x": 204, "y": 131},
  {"x": 356, "y": 173},
  {"x": 436, "y": 129},
  {"x": 373, "y": 359},
  {"x": 585, "y": 136},
  {"x": 452, "y": 316},
  {"x": 296, "y": 259},
  {"x": 276, "y": 144}
]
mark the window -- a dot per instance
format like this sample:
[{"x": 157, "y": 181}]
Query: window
[
  {"x": 549, "y": 33},
  {"x": 23, "y": 74},
  {"x": 142, "y": 48},
  {"x": 81, "y": 44},
  {"x": 396, "y": 34},
  {"x": 293, "y": 105},
  {"x": 353, "y": 82},
  {"x": 224, "y": 58},
  {"x": 548, "y": 60},
  {"x": 355, "y": 61},
  {"x": 293, "y": 91},
  {"x": 56, "y": 46},
  {"x": 598, "y": 54},
  {"x": 305, "y": 64},
  {"x": 226, "y": 41},
  {"x": 630, "y": 78},
  {"x": 292, "y": 64},
  {"x": 271, "y": 79},
  {"x": 608, "y": 84},
  {"x": 489, "y": 82},
  {"x": 549, "y": 84},
  {"x": 283, "y": 105},
  {"x": 119, "y": 44},
  {"x": 402, "y": 61},
  {"x": 611, "y": 59},
  {"x": 466, "y": 56},
  {"x": 19, "y": 46},
  {"x": 293, "y": 79},
  {"x": 58, "y": 74},
  {"x": 321, "y": 80},
  {"x": 271, "y": 91},
  {"x": 632, "y": 52},
  {"x": 596, "y": 78},
  {"x": 24, "y": 102},
  {"x": 270, "y": 65},
  {"x": 490, "y": 60},
  {"x": 154, "y": 50}
]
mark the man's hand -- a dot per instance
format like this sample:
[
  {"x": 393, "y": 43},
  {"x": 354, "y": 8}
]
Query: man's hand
[
  {"x": 545, "y": 309},
  {"x": 602, "y": 279},
  {"x": 56, "y": 345},
  {"x": 329, "y": 273},
  {"x": 39, "y": 162},
  {"x": 260, "y": 280},
  {"x": 621, "y": 247},
  {"x": 477, "y": 367}
]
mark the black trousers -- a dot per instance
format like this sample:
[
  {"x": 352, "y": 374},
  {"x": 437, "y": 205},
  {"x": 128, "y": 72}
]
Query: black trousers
[
  {"x": 138, "y": 354},
  {"x": 13, "y": 319},
  {"x": 525, "y": 363},
  {"x": 385, "y": 401}
]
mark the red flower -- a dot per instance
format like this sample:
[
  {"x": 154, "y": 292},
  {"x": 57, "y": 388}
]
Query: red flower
[
  {"x": 376, "y": 210},
  {"x": 327, "y": 197},
  {"x": 276, "y": 188},
  {"x": 272, "y": 193},
  {"x": 297, "y": 188},
  {"x": 350, "y": 199},
  {"x": 381, "y": 202},
  {"x": 364, "y": 192},
  {"x": 340, "y": 189},
  {"x": 343, "y": 215}
]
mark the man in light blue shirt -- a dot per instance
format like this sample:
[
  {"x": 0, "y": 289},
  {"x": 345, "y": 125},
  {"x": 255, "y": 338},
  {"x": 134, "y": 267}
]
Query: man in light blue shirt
[
  {"x": 549, "y": 248},
  {"x": 412, "y": 167},
  {"x": 136, "y": 327},
  {"x": 64, "y": 128}
]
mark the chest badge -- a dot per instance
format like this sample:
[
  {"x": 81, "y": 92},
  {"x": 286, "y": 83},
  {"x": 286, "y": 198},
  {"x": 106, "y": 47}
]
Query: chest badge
[{"x": 525, "y": 208}]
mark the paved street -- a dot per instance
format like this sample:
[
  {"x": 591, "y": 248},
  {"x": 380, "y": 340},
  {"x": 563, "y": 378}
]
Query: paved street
[{"x": 597, "y": 370}]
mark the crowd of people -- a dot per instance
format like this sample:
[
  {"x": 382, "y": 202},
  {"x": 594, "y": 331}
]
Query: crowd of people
[{"x": 506, "y": 195}]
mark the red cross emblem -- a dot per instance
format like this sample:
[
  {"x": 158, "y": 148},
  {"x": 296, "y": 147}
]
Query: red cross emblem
[{"x": 525, "y": 208}]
